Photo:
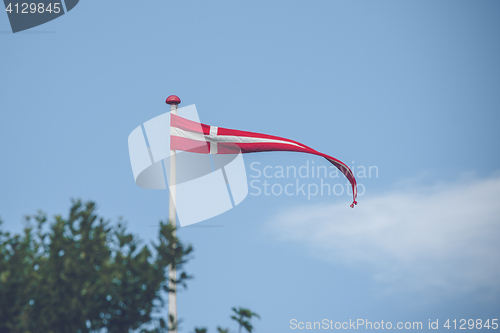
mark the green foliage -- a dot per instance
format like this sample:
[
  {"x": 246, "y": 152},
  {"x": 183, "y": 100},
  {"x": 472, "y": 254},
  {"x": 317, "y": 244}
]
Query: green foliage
[
  {"x": 80, "y": 274},
  {"x": 241, "y": 316},
  {"x": 200, "y": 330}
]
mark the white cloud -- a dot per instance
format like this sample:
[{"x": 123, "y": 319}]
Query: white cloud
[{"x": 446, "y": 236}]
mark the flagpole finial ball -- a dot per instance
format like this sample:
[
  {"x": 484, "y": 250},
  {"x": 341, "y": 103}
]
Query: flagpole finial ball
[{"x": 172, "y": 99}]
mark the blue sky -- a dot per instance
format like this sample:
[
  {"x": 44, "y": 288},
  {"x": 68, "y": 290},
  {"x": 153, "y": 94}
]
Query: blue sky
[{"x": 409, "y": 87}]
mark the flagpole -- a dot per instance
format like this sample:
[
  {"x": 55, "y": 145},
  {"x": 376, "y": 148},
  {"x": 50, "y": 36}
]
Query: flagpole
[{"x": 173, "y": 101}]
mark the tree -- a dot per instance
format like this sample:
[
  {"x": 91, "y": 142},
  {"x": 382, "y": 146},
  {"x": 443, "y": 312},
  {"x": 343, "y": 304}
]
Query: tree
[
  {"x": 200, "y": 330},
  {"x": 242, "y": 314},
  {"x": 81, "y": 274},
  {"x": 241, "y": 317}
]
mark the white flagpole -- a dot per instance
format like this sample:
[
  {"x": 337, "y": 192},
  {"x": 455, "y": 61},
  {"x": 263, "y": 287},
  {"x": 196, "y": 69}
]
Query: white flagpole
[{"x": 173, "y": 101}]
